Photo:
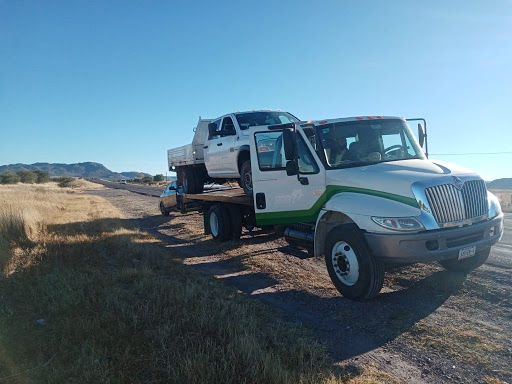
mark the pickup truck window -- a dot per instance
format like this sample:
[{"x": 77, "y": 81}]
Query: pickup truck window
[
  {"x": 358, "y": 143},
  {"x": 217, "y": 123},
  {"x": 228, "y": 128},
  {"x": 252, "y": 119}
]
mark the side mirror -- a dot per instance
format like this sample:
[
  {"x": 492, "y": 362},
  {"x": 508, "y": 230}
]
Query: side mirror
[
  {"x": 290, "y": 145},
  {"x": 421, "y": 135},
  {"x": 291, "y": 168},
  {"x": 212, "y": 129}
]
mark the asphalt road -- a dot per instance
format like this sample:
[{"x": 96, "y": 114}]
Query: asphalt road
[
  {"x": 136, "y": 188},
  {"x": 501, "y": 253}
]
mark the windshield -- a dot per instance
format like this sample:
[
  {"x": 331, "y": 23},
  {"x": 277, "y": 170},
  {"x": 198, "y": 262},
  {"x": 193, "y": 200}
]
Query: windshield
[
  {"x": 356, "y": 143},
  {"x": 251, "y": 119}
]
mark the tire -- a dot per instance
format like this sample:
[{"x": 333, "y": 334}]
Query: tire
[
  {"x": 235, "y": 216},
  {"x": 179, "y": 177},
  {"x": 164, "y": 211},
  {"x": 219, "y": 223},
  {"x": 468, "y": 264},
  {"x": 354, "y": 271},
  {"x": 179, "y": 201},
  {"x": 246, "y": 177},
  {"x": 199, "y": 179},
  {"x": 192, "y": 181}
]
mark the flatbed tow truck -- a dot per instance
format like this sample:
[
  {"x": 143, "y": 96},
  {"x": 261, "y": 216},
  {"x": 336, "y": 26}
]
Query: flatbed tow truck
[{"x": 361, "y": 193}]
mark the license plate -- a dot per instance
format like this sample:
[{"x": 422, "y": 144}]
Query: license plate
[{"x": 464, "y": 253}]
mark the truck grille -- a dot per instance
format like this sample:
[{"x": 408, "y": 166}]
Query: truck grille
[{"x": 450, "y": 204}]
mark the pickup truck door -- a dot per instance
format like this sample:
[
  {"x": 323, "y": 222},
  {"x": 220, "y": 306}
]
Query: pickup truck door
[
  {"x": 278, "y": 198},
  {"x": 220, "y": 154}
]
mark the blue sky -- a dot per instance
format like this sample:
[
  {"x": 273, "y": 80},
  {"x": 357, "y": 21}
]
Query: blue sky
[{"x": 120, "y": 82}]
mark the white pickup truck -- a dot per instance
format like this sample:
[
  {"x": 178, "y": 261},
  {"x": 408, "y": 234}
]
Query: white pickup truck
[
  {"x": 361, "y": 193},
  {"x": 220, "y": 149}
]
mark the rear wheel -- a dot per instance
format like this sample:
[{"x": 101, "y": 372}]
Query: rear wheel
[
  {"x": 164, "y": 211},
  {"x": 220, "y": 227},
  {"x": 192, "y": 181},
  {"x": 246, "y": 177},
  {"x": 352, "y": 268},
  {"x": 235, "y": 216},
  {"x": 468, "y": 264}
]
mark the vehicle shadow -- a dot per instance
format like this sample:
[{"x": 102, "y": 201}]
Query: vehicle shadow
[{"x": 349, "y": 328}]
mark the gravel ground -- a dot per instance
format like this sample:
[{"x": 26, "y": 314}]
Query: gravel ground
[{"x": 427, "y": 325}]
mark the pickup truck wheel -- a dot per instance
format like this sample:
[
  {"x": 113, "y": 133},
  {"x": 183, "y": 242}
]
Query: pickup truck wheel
[
  {"x": 219, "y": 222},
  {"x": 468, "y": 264},
  {"x": 191, "y": 182},
  {"x": 352, "y": 268},
  {"x": 246, "y": 177}
]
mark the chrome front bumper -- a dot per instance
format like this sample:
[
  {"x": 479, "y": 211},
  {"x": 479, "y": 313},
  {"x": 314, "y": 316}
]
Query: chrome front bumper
[{"x": 434, "y": 245}]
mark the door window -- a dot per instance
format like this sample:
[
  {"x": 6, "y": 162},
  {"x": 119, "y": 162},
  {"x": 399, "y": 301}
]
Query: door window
[
  {"x": 307, "y": 163},
  {"x": 269, "y": 147},
  {"x": 213, "y": 136},
  {"x": 228, "y": 128}
]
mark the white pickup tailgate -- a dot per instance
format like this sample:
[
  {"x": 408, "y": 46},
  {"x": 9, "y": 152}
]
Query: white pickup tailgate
[{"x": 181, "y": 156}]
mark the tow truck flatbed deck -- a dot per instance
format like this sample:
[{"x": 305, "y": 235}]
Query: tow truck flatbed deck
[{"x": 227, "y": 195}]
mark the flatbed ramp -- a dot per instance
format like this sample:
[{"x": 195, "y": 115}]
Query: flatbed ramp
[{"x": 228, "y": 195}]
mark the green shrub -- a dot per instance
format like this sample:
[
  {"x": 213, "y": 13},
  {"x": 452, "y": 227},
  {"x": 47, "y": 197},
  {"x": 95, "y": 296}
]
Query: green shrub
[
  {"x": 158, "y": 177},
  {"x": 9, "y": 177},
  {"x": 64, "y": 181},
  {"x": 147, "y": 179},
  {"x": 41, "y": 177},
  {"x": 27, "y": 177}
]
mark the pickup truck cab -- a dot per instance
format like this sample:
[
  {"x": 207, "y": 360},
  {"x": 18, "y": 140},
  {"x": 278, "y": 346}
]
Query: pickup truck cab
[{"x": 220, "y": 149}]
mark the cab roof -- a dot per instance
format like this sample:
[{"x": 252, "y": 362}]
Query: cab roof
[{"x": 355, "y": 118}]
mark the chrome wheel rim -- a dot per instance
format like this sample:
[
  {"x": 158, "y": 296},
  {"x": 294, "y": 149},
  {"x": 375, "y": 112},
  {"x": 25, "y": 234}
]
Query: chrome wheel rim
[
  {"x": 214, "y": 224},
  {"x": 345, "y": 264}
]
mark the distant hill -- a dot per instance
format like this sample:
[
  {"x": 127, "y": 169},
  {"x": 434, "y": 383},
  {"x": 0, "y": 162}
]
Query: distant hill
[
  {"x": 500, "y": 184},
  {"x": 87, "y": 169}
]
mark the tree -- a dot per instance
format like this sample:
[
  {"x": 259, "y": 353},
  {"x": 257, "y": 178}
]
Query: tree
[
  {"x": 158, "y": 177},
  {"x": 42, "y": 177},
  {"x": 27, "y": 177},
  {"x": 9, "y": 177},
  {"x": 147, "y": 179}
]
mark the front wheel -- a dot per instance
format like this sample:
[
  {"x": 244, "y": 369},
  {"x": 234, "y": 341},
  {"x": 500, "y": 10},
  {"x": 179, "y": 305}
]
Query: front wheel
[
  {"x": 468, "y": 264},
  {"x": 246, "y": 177},
  {"x": 352, "y": 268}
]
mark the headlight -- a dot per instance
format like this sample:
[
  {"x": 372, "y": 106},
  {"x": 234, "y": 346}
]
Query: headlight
[
  {"x": 494, "y": 205},
  {"x": 399, "y": 223}
]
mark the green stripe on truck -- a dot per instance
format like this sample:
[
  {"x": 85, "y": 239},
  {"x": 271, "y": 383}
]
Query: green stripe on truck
[{"x": 310, "y": 215}]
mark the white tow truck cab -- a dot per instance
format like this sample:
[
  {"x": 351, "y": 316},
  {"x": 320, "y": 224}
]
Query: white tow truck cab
[
  {"x": 361, "y": 193},
  {"x": 220, "y": 150}
]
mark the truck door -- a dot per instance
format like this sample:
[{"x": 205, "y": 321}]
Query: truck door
[
  {"x": 221, "y": 152},
  {"x": 282, "y": 199}
]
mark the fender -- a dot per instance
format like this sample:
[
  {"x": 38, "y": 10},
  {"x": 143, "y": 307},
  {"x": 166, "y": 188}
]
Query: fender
[
  {"x": 358, "y": 208},
  {"x": 242, "y": 151},
  {"x": 242, "y": 148}
]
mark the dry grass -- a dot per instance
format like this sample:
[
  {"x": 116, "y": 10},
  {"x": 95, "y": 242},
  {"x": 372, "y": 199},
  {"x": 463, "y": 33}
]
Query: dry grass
[
  {"x": 463, "y": 341},
  {"x": 86, "y": 297},
  {"x": 505, "y": 197}
]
